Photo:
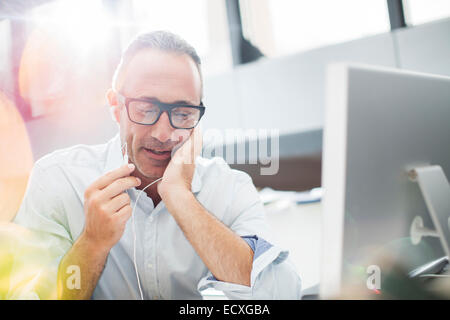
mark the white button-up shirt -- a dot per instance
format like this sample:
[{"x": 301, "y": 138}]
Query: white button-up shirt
[{"x": 167, "y": 265}]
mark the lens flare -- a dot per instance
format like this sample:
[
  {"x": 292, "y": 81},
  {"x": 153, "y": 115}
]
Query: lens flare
[
  {"x": 65, "y": 37},
  {"x": 28, "y": 266},
  {"x": 16, "y": 160}
]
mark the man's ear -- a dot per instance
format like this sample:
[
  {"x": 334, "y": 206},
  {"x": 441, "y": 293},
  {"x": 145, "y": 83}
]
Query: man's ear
[{"x": 113, "y": 103}]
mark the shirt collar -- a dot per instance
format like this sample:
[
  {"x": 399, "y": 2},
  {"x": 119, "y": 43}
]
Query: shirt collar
[{"x": 114, "y": 160}]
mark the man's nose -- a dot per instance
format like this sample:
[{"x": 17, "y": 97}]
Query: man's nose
[{"x": 162, "y": 129}]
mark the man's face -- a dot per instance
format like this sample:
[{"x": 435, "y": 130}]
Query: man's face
[{"x": 170, "y": 78}]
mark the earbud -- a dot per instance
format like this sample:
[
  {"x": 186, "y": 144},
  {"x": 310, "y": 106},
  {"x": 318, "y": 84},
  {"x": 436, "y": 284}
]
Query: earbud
[{"x": 124, "y": 149}]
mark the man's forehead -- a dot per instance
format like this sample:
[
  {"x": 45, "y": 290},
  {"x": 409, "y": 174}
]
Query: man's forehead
[{"x": 153, "y": 72}]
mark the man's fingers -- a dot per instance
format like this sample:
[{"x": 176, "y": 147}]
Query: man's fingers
[
  {"x": 105, "y": 180},
  {"x": 119, "y": 186},
  {"x": 124, "y": 214},
  {"x": 198, "y": 140},
  {"x": 190, "y": 149},
  {"x": 119, "y": 201}
]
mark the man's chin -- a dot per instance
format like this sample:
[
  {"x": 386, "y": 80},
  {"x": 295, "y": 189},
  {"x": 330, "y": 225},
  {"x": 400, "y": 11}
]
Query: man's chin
[{"x": 152, "y": 168}]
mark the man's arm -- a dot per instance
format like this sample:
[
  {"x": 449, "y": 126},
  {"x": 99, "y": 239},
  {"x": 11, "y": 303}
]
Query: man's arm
[
  {"x": 89, "y": 261},
  {"x": 249, "y": 268},
  {"x": 227, "y": 256},
  {"x": 107, "y": 209},
  {"x": 273, "y": 276}
]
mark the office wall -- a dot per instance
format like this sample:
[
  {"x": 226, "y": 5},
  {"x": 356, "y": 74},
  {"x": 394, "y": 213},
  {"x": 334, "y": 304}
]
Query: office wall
[
  {"x": 286, "y": 93},
  {"x": 425, "y": 48}
]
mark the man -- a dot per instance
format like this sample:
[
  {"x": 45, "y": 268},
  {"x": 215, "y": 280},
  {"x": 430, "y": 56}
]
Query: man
[{"x": 202, "y": 225}]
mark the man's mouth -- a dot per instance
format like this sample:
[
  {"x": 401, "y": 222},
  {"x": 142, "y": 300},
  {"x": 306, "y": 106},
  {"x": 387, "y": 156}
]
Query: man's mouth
[{"x": 158, "y": 154}]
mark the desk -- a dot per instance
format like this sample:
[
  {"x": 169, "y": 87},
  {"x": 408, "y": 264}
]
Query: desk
[{"x": 297, "y": 228}]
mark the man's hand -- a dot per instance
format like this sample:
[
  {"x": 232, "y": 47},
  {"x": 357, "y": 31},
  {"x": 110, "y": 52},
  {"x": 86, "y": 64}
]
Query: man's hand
[
  {"x": 180, "y": 171},
  {"x": 107, "y": 207}
]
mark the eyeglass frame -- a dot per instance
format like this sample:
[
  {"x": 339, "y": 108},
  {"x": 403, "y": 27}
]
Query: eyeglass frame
[{"x": 163, "y": 107}]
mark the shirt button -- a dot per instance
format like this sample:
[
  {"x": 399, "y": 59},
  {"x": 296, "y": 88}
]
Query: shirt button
[
  {"x": 150, "y": 219},
  {"x": 150, "y": 266}
]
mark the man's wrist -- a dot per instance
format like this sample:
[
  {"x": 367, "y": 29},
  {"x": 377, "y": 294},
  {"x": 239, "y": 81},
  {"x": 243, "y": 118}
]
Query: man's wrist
[
  {"x": 92, "y": 246},
  {"x": 173, "y": 193},
  {"x": 177, "y": 198}
]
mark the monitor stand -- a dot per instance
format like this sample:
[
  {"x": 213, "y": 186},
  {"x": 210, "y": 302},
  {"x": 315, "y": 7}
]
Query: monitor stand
[{"x": 436, "y": 192}]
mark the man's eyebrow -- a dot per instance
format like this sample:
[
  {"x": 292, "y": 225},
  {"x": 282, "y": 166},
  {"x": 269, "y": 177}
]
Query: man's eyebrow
[{"x": 175, "y": 102}]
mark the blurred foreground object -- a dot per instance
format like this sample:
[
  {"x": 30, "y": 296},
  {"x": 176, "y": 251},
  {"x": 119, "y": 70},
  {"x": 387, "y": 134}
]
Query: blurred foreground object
[
  {"x": 16, "y": 159},
  {"x": 27, "y": 267},
  {"x": 394, "y": 282}
]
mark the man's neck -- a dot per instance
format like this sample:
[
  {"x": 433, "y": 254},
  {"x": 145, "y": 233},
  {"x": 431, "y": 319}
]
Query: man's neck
[{"x": 151, "y": 191}]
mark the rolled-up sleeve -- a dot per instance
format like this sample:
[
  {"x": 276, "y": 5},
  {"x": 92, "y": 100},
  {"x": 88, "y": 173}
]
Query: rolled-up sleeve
[{"x": 273, "y": 275}]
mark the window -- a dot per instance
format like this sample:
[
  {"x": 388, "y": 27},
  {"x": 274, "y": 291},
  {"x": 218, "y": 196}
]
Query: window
[
  {"x": 422, "y": 11},
  {"x": 280, "y": 27}
]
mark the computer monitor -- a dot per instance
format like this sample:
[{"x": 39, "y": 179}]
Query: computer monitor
[{"x": 381, "y": 123}]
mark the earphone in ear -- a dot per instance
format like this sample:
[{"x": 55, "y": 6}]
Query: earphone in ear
[{"x": 124, "y": 149}]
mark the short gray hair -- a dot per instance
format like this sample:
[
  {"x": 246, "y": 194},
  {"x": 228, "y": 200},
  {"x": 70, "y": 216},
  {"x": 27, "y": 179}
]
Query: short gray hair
[{"x": 160, "y": 40}]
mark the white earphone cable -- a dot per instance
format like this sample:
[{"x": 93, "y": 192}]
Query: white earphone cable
[
  {"x": 125, "y": 155},
  {"x": 134, "y": 235}
]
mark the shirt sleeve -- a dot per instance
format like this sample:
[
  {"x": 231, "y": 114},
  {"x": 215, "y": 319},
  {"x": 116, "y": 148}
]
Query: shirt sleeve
[
  {"x": 273, "y": 275},
  {"x": 35, "y": 266}
]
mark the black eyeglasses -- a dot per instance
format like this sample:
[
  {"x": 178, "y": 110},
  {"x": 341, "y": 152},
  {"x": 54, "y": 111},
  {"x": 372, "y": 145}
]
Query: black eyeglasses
[{"x": 148, "y": 112}]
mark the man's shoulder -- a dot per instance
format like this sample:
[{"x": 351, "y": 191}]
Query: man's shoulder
[
  {"x": 79, "y": 155},
  {"x": 218, "y": 169}
]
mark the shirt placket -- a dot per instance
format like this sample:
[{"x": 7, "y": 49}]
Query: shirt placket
[{"x": 150, "y": 251}]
